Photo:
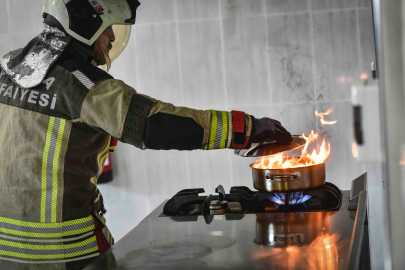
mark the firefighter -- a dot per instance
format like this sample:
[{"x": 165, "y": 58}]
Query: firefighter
[{"x": 59, "y": 113}]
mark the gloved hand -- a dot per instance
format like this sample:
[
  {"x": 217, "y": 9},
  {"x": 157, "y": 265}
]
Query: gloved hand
[{"x": 267, "y": 128}]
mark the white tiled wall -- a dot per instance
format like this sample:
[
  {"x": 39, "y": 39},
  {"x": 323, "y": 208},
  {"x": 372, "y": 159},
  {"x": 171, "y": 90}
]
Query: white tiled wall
[{"x": 276, "y": 58}]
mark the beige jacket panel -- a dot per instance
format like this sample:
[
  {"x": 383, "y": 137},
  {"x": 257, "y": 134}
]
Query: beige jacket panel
[
  {"x": 23, "y": 135},
  {"x": 106, "y": 106}
]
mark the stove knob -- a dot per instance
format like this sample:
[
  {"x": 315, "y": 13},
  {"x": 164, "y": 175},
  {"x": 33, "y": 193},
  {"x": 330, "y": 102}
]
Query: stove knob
[
  {"x": 207, "y": 204},
  {"x": 221, "y": 192}
]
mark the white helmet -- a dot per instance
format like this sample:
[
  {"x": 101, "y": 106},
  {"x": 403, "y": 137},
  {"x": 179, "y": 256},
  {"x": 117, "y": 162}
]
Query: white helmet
[{"x": 85, "y": 20}]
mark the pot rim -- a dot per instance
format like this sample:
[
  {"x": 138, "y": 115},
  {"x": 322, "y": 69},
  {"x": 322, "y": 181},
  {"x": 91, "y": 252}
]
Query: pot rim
[{"x": 293, "y": 168}]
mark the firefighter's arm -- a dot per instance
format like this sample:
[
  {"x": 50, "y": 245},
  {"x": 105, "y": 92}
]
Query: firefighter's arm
[
  {"x": 117, "y": 109},
  {"x": 171, "y": 127}
]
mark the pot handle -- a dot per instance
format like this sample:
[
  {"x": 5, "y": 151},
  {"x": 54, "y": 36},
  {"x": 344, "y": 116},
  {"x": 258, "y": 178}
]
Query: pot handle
[{"x": 284, "y": 176}]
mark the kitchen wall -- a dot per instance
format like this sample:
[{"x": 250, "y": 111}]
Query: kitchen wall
[{"x": 278, "y": 58}]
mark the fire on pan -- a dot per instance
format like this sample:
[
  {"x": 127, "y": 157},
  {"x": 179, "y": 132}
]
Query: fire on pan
[{"x": 280, "y": 173}]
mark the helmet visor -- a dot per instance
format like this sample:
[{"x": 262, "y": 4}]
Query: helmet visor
[{"x": 122, "y": 34}]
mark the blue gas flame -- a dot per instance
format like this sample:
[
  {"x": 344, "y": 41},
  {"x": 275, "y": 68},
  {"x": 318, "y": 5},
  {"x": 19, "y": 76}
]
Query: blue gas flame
[{"x": 295, "y": 198}]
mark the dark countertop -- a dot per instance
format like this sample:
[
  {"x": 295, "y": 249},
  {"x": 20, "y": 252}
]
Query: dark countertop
[{"x": 312, "y": 240}]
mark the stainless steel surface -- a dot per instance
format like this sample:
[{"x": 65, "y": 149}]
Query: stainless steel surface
[
  {"x": 386, "y": 250},
  {"x": 281, "y": 180},
  {"x": 312, "y": 240},
  {"x": 271, "y": 148},
  {"x": 358, "y": 232},
  {"x": 389, "y": 21}
]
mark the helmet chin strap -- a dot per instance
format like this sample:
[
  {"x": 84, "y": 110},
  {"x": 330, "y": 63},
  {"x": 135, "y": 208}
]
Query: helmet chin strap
[{"x": 107, "y": 64}]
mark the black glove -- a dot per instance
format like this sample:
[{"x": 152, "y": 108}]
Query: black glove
[{"x": 267, "y": 128}]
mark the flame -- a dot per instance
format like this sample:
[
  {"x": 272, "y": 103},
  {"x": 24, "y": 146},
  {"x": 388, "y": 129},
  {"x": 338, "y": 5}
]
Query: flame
[
  {"x": 290, "y": 249},
  {"x": 402, "y": 161},
  {"x": 341, "y": 79},
  {"x": 322, "y": 115},
  {"x": 277, "y": 161},
  {"x": 322, "y": 253},
  {"x": 307, "y": 158},
  {"x": 364, "y": 76},
  {"x": 355, "y": 152}
]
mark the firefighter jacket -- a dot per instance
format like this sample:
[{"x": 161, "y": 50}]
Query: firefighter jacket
[{"x": 58, "y": 113}]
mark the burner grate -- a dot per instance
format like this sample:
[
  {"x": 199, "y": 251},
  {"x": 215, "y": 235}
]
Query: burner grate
[{"x": 187, "y": 202}]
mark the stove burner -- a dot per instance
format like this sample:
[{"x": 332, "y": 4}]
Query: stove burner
[
  {"x": 295, "y": 198},
  {"x": 242, "y": 200}
]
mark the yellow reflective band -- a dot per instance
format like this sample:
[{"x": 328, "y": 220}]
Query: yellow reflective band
[
  {"x": 48, "y": 235},
  {"x": 47, "y": 247},
  {"x": 27, "y": 251},
  {"x": 46, "y": 225},
  {"x": 44, "y": 167},
  {"x": 32, "y": 257},
  {"x": 109, "y": 238},
  {"x": 55, "y": 169},
  {"x": 102, "y": 156},
  {"x": 107, "y": 234},
  {"x": 214, "y": 121},
  {"x": 46, "y": 230},
  {"x": 49, "y": 173},
  {"x": 45, "y": 257},
  {"x": 224, "y": 130},
  {"x": 103, "y": 161},
  {"x": 219, "y": 130}
]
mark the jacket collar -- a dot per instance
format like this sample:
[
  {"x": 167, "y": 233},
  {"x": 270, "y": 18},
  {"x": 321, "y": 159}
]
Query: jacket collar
[{"x": 75, "y": 48}]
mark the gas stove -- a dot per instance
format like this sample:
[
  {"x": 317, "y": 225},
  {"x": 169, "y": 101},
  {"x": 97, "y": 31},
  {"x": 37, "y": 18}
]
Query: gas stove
[
  {"x": 319, "y": 228},
  {"x": 242, "y": 200}
]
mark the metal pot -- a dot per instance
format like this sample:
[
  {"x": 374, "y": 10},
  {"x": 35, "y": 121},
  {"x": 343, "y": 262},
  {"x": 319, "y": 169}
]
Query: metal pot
[{"x": 292, "y": 179}]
